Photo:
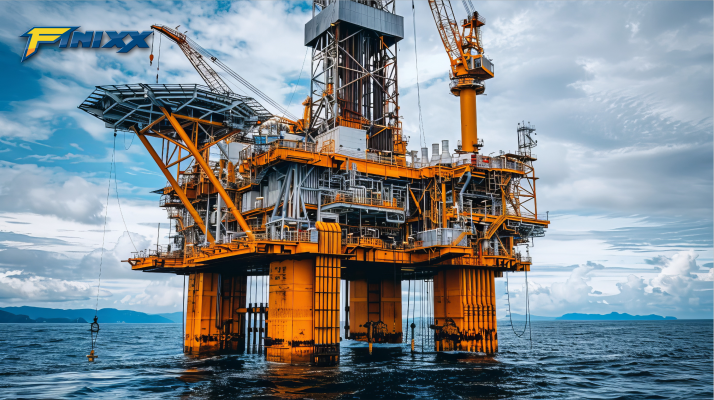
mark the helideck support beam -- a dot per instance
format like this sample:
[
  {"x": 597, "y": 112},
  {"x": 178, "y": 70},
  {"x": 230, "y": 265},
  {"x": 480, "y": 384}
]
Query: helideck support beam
[
  {"x": 177, "y": 188},
  {"x": 209, "y": 173}
]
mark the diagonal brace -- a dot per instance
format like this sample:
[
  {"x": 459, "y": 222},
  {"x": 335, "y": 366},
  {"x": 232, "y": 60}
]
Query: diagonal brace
[{"x": 177, "y": 188}]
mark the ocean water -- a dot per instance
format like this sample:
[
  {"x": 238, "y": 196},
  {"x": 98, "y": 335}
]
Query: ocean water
[{"x": 597, "y": 360}]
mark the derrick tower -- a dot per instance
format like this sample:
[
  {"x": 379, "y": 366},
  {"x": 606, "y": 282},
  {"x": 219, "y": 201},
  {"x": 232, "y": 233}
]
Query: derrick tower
[{"x": 326, "y": 202}]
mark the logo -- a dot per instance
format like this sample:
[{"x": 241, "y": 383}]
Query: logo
[{"x": 90, "y": 39}]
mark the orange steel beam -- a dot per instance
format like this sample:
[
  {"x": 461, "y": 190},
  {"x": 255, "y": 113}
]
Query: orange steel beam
[
  {"x": 156, "y": 121},
  {"x": 177, "y": 188},
  {"x": 193, "y": 119},
  {"x": 415, "y": 200},
  {"x": 209, "y": 173}
]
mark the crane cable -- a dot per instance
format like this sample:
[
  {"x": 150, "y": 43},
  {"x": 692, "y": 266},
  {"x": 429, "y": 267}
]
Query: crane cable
[
  {"x": 94, "y": 327},
  {"x": 237, "y": 77},
  {"x": 416, "y": 64}
]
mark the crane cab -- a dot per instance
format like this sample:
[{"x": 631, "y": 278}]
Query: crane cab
[{"x": 479, "y": 66}]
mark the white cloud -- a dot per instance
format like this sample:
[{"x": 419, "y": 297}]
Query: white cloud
[
  {"x": 676, "y": 290},
  {"x": 27, "y": 187},
  {"x": 18, "y": 287}
]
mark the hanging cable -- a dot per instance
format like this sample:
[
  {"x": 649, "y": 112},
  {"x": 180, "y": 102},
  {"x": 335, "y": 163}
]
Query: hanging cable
[
  {"x": 298, "y": 79},
  {"x": 94, "y": 327},
  {"x": 158, "y": 62},
  {"x": 416, "y": 64},
  {"x": 510, "y": 315},
  {"x": 116, "y": 189},
  {"x": 151, "y": 56},
  {"x": 130, "y": 143}
]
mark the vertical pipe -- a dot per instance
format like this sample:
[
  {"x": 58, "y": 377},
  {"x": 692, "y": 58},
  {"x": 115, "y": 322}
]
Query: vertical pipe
[
  {"x": 250, "y": 307},
  {"x": 487, "y": 301},
  {"x": 479, "y": 311},
  {"x": 493, "y": 315},
  {"x": 219, "y": 217},
  {"x": 255, "y": 328}
]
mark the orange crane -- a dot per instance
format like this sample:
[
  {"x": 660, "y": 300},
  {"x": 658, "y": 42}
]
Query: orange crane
[
  {"x": 197, "y": 55},
  {"x": 469, "y": 66}
]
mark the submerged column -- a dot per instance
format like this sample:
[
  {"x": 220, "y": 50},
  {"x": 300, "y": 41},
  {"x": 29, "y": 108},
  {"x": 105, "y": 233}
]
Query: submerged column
[
  {"x": 327, "y": 294},
  {"x": 202, "y": 335},
  {"x": 465, "y": 311},
  {"x": 290, "y": 323},
  {"x": 304, "y": 316},
  {"x": 232, "y": 320},
  {"x": 376, "y": 310},
  {"x": 213, "y": 321}
]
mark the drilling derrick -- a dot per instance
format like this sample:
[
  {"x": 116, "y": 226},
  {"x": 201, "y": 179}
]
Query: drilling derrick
[{"x": 329, "y": 198}]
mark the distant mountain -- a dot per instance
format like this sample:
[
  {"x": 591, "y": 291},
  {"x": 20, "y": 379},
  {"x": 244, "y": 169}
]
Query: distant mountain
[
  {"x": 613, "y": 316},
  {"x": 521, "y": 317},
  {"x": 6, "y": 317},
  {"x": 105, "y": 315},
  {"x": 175, "y": 317}
]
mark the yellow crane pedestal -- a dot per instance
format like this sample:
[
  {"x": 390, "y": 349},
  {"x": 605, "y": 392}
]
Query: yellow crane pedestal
[{"x": 465, "y": 311}]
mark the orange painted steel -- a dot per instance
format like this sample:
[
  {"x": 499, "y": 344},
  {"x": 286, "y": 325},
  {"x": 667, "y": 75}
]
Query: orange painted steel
[
  {"x": 327, "y": 294},
  {"x": 376, "y": 310},
  {"x": 209, "y": 173},
  {"x": 291, "y": 315},
  {"x": 469, "y": 131},
  {"x": 202, "y": 335},
  {"x": 177, "y": 188}
]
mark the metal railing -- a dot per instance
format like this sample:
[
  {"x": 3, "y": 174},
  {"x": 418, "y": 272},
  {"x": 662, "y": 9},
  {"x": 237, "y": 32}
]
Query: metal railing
[
  {"x": 362, "y": 241},
  {"x": 258, "y": 149},
  {"x": 387, "y": 159},
  {"x": 349, "y": 197}
]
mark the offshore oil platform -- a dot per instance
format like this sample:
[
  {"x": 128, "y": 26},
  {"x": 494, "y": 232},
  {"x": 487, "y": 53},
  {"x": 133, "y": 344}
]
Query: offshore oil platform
[{"x": 333, "y": 196}]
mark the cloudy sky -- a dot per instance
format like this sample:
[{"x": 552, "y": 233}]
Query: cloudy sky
[{"x": 621, "y": 94}]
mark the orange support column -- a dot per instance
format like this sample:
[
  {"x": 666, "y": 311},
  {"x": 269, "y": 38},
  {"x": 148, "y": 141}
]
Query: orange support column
[
  {"x": 327, "y": 294},
  {"x": 290, "y": 323},
  {"x": 458, "y": 310},
  {"x": 376, "y": 310},
  {"x": 233, "y": 299},
  {"x": 202, "y": 335}
]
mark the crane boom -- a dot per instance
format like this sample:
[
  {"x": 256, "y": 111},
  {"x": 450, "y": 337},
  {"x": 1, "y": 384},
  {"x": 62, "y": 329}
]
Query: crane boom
[
  {"x": 448, "y": 30},
  {"x": 469, "y": 67},
  {"x": 197, "y": 55}
]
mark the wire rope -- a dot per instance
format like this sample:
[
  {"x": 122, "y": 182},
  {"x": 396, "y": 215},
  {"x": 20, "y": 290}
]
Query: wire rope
[
  {"x": 116, "y": 189},
  {"x": 416, "y": 65},
  {"x": 510, "y": 315},
  {"x": 298, "y": 79}
]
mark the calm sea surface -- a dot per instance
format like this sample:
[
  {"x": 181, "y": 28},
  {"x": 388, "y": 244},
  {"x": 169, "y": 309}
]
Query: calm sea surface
[{"x": 604, "y": 360}]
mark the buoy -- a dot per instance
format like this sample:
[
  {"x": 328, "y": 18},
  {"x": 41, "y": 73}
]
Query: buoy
[{"x": 91, "y": 356}]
